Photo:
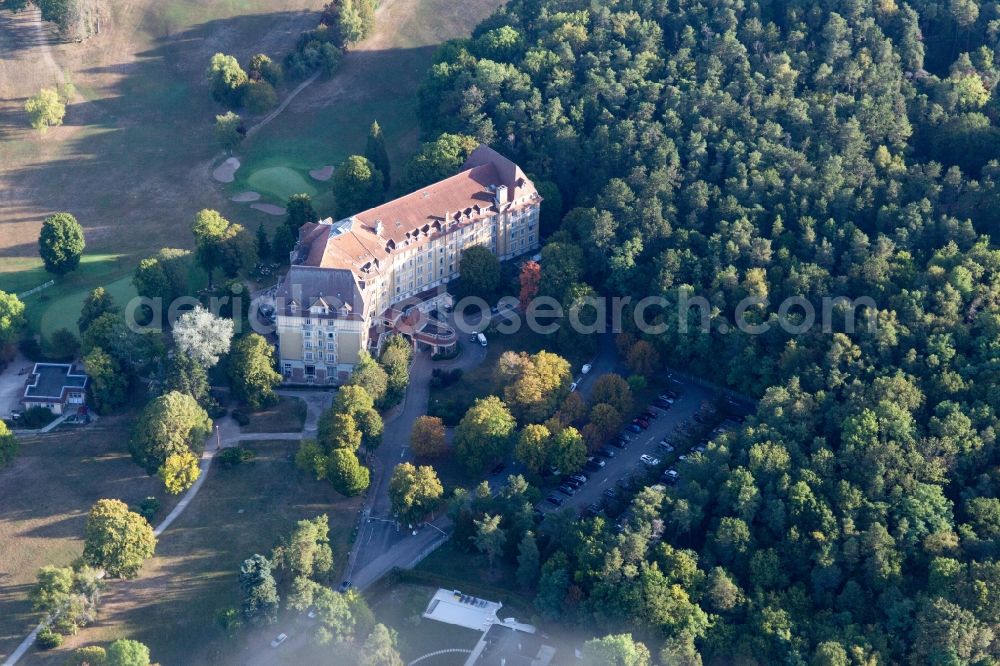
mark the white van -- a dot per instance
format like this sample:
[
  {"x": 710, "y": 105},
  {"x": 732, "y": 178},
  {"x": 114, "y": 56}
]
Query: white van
[{"x": 482, "y": 339}]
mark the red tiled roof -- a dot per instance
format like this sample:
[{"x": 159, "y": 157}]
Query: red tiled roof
[{"x": 363, "y": 242}]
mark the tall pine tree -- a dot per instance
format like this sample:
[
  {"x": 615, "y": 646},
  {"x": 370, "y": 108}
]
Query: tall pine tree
[{"x": 376, "y": 153}]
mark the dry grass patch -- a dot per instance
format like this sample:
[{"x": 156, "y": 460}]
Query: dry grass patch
[
  {"x": 238, "y": 512},
  {"x": 44, "y": 499}
]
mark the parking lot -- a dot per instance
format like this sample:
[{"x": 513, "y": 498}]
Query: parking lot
[{"x": 627, "y": 460}]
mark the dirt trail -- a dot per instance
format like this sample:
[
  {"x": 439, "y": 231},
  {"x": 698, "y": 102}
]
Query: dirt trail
[{"x": 44, "y": 39}]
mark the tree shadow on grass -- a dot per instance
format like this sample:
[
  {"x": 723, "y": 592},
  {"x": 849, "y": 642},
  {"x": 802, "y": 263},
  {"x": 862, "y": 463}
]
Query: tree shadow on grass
[{"x": 135, "y": 164}]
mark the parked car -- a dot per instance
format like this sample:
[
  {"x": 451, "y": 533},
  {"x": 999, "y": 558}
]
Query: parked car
[
  {"x": 700, "y": 448},
  {"x": 567, "y": 490},
  {"x": 666, "y": 446},
  {"x": 279, "y": 639},
  {"x": 610, "y": 493},
  {"x": 585, "y": 369},
  {"x": 618, "y": 443},
  {"x": 672, "y": 394},
  {"x": 593, "y": 510},
  {"x": 649, "y": 460},
  {"x": 499, "y": 467},
  {"x": 650, "y": 414},
  {"x": 344, "y": 586},
  {"x": 552, "y": 499},
  {"x": 582, "y": 478},
  {"x": 663, "y": 404},
  {"x": 670, "y": 477},
  {"x": 605, "y": 452},
  {"x": 572, "y": 483},
  {"x": 641, "y": 422},
  {"x": 595, "y": 463},
  {"x": 625, "y": 437},
  {"x": 633, "y": 428}
]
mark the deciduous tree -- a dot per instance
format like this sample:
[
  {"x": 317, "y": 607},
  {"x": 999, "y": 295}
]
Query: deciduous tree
[
  {"x": 229, "y": 130},
  {"x": 108, "y": 383},
  {"x": 11, "y": 317},
  {"x": 533, "y": 447},
  {"x": 357, "y": 186},
  {"x": 203, "y": 336},
  {"x": 226, "y": 79},
  {"x": 170, "y": 424},
  {"x": 179, "y": 471},
  {"x": 414, "y": 491},
  {"x": 45, "y": 109},
  {"x": 480, "y": 272},
  {"x": 484, "y": 434},
  {"x": 427, "y": 439},
  {"x": 346, "y": 473},
  {"x": 116, "y": 539},
  {"x": 380, "y": 648},
  {"x": 97, "y": 303},
  {"x": 61, "y": 243},
  {"x": 615, "y": 650},
  {"x": 127, "y": 652},
  {"x": 298, "y": 211},
  {"x": 251, "y": 371}
]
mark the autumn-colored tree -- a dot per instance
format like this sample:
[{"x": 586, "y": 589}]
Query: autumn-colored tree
[
  {"x": 534, "y": 384},
  {"x": 643, "y": 358},
  {"x": 604, "y": 421},
  {"x": 532, "y": 447},
  {"x": 613, "y": 390},
  {"x": 427, "y": 439},
  {"x": 530, "y": 278}
]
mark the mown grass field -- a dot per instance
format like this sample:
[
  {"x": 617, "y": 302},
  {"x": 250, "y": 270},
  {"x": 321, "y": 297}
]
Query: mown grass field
[
  {"x": 45, "y": 495},
  {"x": 238, "y": 512}
]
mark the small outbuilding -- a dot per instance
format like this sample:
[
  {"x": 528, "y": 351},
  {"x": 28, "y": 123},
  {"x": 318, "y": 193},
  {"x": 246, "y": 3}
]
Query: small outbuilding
[{"x": 59, "y": 387}]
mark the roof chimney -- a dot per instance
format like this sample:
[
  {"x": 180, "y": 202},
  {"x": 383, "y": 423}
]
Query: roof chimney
[
  {"x": 500, "y": 198},
  {"x": 378, "y": 227}
]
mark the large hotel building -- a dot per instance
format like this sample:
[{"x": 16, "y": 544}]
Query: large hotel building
[{"x": 353, "y": 281}]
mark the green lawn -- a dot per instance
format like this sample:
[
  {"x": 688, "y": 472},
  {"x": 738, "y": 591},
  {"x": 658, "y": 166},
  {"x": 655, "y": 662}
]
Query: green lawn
[
  {"x": 288, "y": 415},
  {"x": 238, "y": 512},
  {"x": 281, "y": 182},
  {"x": 63, "y": 312},
  {"x": 19, "y": 274}
]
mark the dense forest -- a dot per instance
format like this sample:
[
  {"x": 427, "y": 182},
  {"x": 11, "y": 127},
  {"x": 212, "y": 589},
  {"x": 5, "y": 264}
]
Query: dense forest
[{"x": 777, "y": 148}]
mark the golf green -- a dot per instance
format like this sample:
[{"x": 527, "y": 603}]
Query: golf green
[{"x": 280, "y": 182}]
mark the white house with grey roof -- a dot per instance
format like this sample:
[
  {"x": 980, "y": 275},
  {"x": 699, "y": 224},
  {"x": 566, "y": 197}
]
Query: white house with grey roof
[{"x": 59, "y": 387}]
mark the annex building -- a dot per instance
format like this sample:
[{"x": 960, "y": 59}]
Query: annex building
[{"x": 353, "y": 281}]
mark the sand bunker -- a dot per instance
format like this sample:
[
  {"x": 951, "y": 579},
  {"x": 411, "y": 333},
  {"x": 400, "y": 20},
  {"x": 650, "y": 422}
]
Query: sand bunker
[
  {"x": 225, "y": 171},
  {"x": 270, "y": 209},
  {"x": 244, "y": 197},
  {"x": 322, "y": 174}
]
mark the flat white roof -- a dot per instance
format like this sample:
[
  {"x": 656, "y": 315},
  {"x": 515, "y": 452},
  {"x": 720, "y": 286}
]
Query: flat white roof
[{"x": 463, "y": 610}]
